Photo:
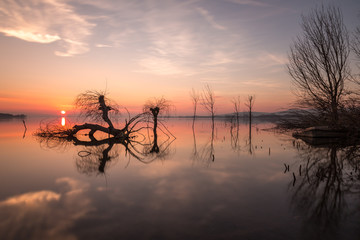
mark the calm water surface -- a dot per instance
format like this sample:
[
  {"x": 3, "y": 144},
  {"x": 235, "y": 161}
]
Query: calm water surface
[{"x": 225, "y": 186}]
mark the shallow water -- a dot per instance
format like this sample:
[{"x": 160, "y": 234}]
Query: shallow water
[{"x": 225, "y": 185}]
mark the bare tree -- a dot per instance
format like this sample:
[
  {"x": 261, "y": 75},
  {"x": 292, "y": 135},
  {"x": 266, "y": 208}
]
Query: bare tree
[
  {"x": 195, "y": 97},
  {"x": 94, "y": 105},
  {"x": 236, "y": 103},
  {"x": 356, "y": 43},
  {"x": 318, "y": 62},
  {"x": 250, "y": 104},
  {"x": 356, "y": 49},
  {"x": 208, "y": 101},
  {"x": 156, "y": 106},
  {"x": 97, "y": 153}
]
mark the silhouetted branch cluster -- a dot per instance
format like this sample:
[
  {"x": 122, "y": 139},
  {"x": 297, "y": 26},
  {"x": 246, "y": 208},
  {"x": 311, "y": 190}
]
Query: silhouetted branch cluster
[
  {"x": 99, "y": 141},
  {"x": 158, "y": 106},
  {"x": 195, "y": 98},
  {"x": 208, "y": 101},
  {"x": 319, "y": 66},
  {"x": 356, "y": 47},
  {"x": 95, "y": 106}
]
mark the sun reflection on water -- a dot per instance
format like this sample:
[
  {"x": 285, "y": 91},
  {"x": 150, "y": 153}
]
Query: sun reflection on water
[{"x": 63, "y": 121}]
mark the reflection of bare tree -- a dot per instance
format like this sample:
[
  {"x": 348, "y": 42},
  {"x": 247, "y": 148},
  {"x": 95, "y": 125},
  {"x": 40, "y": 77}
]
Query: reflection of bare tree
[
  {"x": 326, "y": 179},
  {"x": 234, "y": 134},
  {"x": 208, "y": 102},
  {"x": 248, "y": 143},
  {"x": 235, "y": 142},
  {"x": 194, "y": 137},
  {"x": 250, "y": 105},
  {"x": 25, "y": 128},
  {"x": 95, "y": 159},
  {"x": 206, "y": 153},
  {"x": 195, "y": 97},
  {"x": 236, "y": 102}
]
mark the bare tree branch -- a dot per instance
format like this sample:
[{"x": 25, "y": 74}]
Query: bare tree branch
[
  {"x": 208, "y": 101},
  {"x": 318, "y": 62},
  {"x": 195, "y": 97}
]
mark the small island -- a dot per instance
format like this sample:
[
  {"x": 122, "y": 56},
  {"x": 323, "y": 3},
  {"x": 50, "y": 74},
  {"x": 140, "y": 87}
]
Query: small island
[{"x": 11, "y": 116}]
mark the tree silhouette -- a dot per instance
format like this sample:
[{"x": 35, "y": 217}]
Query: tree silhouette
[
  {"x": 356, "y": 44},
  {"x": 208, "y": 101},
  {"x": 250, "y": 104},
  {"x": 318, "y": 63},
  {"x": 156, "y": 106},
  {"x": 195, "y": 97},
  {"x": 101, "y": 140}
]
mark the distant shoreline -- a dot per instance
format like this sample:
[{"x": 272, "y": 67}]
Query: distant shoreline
[{"x": 11, "y": 116}]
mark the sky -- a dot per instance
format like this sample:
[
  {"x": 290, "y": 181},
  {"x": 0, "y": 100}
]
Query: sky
[{"x": 53, "y": 50}]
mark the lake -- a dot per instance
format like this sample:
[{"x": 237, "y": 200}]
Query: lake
[{"x": 223, "y": 184}]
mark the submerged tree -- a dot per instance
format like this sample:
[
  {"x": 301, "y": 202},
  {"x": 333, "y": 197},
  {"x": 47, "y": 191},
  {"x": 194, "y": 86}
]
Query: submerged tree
[
  {"x": 236, "y": 103},
  {"x": 95, "y": 106},
  {"x": 155, "y": 107},
  {"x": 208, "y": 101},
  {"x": 250, "y": 104},
  {"x": 318, "y": 63},
  {"x": 195, "y": 97}
]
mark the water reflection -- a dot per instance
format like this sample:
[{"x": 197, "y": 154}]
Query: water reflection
[
  {"x": 238, "y": 196},
  {"x": 325, "y": 183},
  {"x": 235, "y": 133},
  {"x": 205, "y": 155},
  {"x": 98, "y": 151},
  {"x": 25, "y": 128},
  {"x": 45, "y": 214}
]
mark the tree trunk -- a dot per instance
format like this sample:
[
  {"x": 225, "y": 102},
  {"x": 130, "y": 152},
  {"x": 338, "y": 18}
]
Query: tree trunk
[
  {"x": 155, "y": 113},
  {"x": 105, "y": 109}
]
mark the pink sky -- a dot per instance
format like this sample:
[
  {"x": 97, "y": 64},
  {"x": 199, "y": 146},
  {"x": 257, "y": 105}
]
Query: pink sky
[{"x": 138, "y": 50}]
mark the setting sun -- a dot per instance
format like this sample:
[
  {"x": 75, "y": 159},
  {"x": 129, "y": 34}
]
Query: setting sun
[{"x": 63, "y": 112}]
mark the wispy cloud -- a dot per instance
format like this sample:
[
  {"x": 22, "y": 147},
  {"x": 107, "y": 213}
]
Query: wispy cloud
[
  {"x": 219, "y": 58},
  {"x": 160, "y": 66},
  {"x": 103, "y": 45},
  {"x": 250, "y": 2},
  {"x": 210, "y": 19},
  {"x": 46, "y": 21},
  {"x": 31, "y": 37},
  {"x": 270, "y": 59}
]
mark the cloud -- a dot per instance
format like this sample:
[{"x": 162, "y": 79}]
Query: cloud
[
  {"x": 210, "y": 19},
  {"x": 160, "y": 66},
  {"x": 45, "y": 214},
  {"x": 219, "y": 58},
  {"x": 249, "y": 2},
  {"x": 31, "y": 37},
  {"x": 103, "y": 45},
  {"x": 177, "y": 45},
  {"x": 46, "y": 21},
  {"x": 272, "y": 60},
  {"x": 31, "y": 198}
]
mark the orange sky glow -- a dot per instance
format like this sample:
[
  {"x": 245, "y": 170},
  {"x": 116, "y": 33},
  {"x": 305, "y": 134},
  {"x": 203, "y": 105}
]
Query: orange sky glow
[{"x": 137, "y": 50}]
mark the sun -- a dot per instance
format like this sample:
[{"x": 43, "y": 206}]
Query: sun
[{"x": 63, "y": 112}]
